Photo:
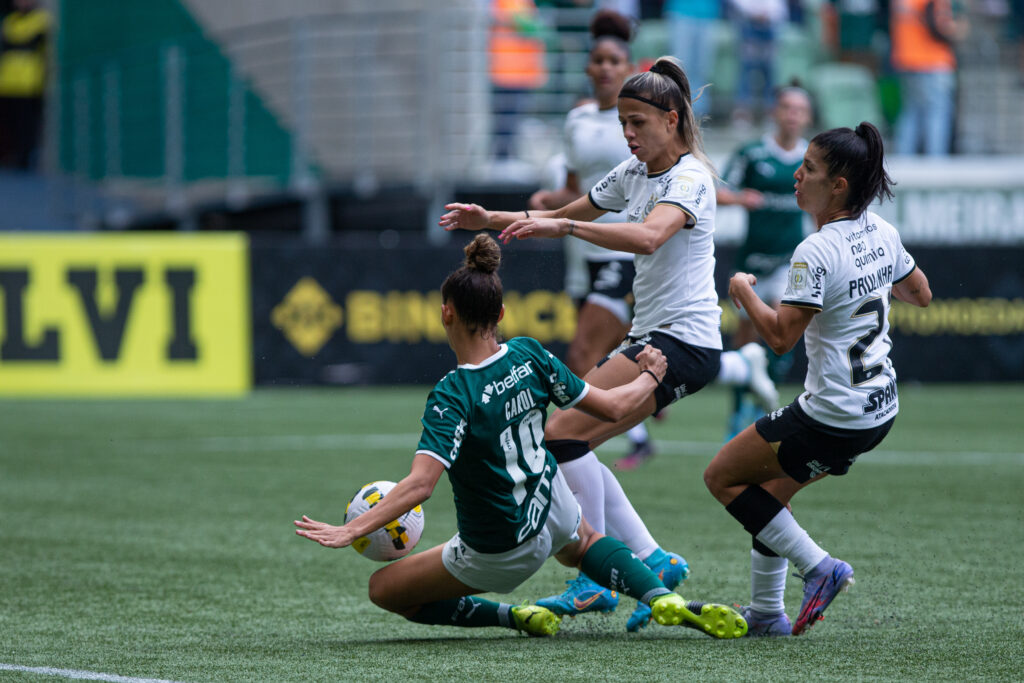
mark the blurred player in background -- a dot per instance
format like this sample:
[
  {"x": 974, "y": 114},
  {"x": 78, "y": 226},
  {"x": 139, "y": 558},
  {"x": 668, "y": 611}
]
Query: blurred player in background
[
  {"x": 593, "y": 144},
  {"x": 759, "y": 177},
  {"x": 513, "y": 507},
  {"x": 666, "y": 190},
  {"x": 841, "y": 279}
]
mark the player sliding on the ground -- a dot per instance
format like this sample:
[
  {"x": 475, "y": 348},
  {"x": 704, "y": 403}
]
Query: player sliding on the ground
[
  {"x": 484, "y": 423},
  {"x": 841, "y": 279}
]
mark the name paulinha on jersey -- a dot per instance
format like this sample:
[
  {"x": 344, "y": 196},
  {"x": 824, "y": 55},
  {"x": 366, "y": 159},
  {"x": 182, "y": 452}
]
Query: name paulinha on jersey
[
  {"x": 870, "y": 282},
  {"x": 500, "y": 386}
]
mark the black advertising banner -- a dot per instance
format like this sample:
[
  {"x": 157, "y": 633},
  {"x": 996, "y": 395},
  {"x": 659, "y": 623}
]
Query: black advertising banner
[{"x": 365, "y": 314}]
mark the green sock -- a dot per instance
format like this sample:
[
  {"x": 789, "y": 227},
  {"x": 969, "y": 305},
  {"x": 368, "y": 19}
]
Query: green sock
[
  {"x": 612, "y": 565},
  {"x": 468, "y": 611}
]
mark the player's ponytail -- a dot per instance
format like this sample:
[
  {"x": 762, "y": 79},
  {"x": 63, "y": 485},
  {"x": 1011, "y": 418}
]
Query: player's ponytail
[
  {"x": 859, "y": 156},
  {"x": 475, "y": 289}
]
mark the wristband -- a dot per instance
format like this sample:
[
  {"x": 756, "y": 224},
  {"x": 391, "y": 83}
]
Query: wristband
[
  {"x": 651, "y": 374},
  {"x": 526, "y": 212},
  {"x": 572, "y": 227}
]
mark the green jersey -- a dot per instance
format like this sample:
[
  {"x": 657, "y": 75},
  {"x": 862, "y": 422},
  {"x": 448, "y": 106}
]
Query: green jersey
[
  {"x": 485, "y": 424},
  {"x": 774, "y": 230}
]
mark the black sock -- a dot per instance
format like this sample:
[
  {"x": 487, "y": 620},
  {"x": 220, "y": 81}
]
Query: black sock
[
  {"x": 567, "y": 450},
  {"x": 754, "y": 508}
]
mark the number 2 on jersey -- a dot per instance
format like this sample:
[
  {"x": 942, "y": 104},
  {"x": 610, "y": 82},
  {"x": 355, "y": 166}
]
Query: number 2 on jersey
[
  {"x": 531, "y": 435},
  {"x": 858, "y": 373}
]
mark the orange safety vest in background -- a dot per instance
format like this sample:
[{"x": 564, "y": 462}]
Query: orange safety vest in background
[
  {"x": 23, "y": 59},
  {"x": 914, "y": 48},
  {"x": 517, "y": 61}
]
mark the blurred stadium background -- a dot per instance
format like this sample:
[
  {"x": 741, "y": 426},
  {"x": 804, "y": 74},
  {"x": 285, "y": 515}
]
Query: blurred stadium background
[{"x": 228, "y": 193}]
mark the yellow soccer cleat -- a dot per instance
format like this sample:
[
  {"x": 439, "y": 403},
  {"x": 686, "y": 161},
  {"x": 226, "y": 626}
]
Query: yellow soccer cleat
[
  {"x": 536, "y": 621},
  {"x": 717, "y": 621}
]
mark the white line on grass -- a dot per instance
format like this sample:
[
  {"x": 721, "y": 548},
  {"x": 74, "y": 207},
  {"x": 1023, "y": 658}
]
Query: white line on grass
[
  {"x": 79, "y": 675},
  {"x": 702, "y": 449}
]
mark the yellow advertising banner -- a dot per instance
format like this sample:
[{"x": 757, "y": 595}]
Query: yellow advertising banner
[{"x": 124, "y": 315}]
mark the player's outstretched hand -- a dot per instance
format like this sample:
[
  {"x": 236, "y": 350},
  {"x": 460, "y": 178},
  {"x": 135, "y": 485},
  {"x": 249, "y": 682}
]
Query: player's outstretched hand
[
  {"x": 654, "y": 360},
  {"x": 738, "y": 283},
  {"x": 464, "y": 217},
  {"x": 324, "y": 534}
]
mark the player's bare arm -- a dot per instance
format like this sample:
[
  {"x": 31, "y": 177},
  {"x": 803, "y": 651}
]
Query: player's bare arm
[
  {"x": 611, "y": 405},
  {"x": 411, "y": 491},
  {"x": 780, "y": 328},
  {"x": 914, "y": 289},
  {"x": 476, "y": 217},
  {"x": 638, "y": 238}
]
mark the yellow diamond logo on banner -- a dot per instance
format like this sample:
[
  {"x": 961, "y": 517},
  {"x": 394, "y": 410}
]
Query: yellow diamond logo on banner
[{"x": 307, "y": 316}]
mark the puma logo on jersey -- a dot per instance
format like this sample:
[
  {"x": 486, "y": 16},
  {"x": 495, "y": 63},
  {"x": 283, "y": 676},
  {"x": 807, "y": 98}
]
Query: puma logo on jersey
[{"x": 440, "y": 411}]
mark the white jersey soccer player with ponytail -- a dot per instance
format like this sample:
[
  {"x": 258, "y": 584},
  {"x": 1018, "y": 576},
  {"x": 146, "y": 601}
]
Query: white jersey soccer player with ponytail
[
  {"x": 667, "y": 191},
  {"x": 841, "y": 279}
]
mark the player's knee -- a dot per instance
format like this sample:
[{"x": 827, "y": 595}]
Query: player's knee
[
  {"x": 380, "y": 593},
  {"x": 713, "y": 479}
]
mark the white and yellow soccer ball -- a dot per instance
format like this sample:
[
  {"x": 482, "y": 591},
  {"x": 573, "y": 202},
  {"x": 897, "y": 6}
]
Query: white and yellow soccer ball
[{"x": 396, "y": 538}]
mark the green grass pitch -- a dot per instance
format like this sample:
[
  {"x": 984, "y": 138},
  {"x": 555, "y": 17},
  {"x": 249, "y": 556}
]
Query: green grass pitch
[{"x": 153, "y": 539}]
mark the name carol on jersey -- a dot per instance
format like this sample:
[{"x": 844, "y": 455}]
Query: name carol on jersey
[
  {"x": 500, "y": 386},
  {"x": 537, "y": 505}
]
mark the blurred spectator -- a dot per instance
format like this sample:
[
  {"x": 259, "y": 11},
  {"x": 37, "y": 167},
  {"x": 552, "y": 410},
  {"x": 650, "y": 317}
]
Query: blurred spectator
[
  {"x": 759, "y": 22},
  {"x": 923, "y": 35},
  {"x": 691, "y": 40},
  {"x": 849, "y": 27},
  {"x": 24, "y": 33},
  {"x": 517, "y": 66}
]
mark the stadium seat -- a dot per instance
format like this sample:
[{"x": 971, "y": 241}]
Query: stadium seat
[{"x": 845, "y": 95}]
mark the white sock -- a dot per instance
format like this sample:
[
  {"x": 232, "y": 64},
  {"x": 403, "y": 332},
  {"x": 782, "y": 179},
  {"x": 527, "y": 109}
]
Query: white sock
[
  {"x": 767, "y": 583},
  {"x": 622, "y": 520},
  {"x": 584, "y": 477},
  {"x": 735, "y": 369},
  {"x": 637, "y": 434},
  {"x": 787, "y": 539}
]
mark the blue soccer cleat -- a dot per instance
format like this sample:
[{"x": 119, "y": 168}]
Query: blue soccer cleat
[
  {"x": 582, "y": 596},
  {"x": 672, "y": 570},
  {"x": 821, "y": 585},
  {"x": 765, "y": 625}
]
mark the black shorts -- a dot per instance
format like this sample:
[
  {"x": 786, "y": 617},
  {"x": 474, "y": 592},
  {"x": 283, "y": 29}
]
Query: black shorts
[
  {"x": 808, "y": 448},
  {"x": 690, "y": 367},
  {"x": 613, "y": 279}
]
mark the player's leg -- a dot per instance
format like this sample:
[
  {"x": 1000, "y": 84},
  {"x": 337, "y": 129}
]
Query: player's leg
[
  {"x": 598, "y": 331},
  {"x": 613, "y": 565},
  {"x": 420, "y": 588}
]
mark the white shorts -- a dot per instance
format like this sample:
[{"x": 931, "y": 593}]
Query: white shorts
[
  {"x": 770, "y": 287},
  {"x": 503, "y": 572}
]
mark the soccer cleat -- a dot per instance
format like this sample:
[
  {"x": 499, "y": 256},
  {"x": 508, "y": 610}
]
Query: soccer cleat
[
  {"x": 671, "y": 571},
  {"x": 535, "y": 620},
  {"x": 760, "y": 385},
  {"x": 639, "y": 453},
  {"x": 821, "y": 585},
  {"x": 765, "y": 626},
  {"x": 582, "y": 596},
  {"x": 717, "y": 621}
]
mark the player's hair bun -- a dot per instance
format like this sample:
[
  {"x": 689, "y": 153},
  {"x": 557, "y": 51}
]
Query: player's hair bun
[
  {"x": 608, "y": 22},
  {"x": 483, "y": 254}
]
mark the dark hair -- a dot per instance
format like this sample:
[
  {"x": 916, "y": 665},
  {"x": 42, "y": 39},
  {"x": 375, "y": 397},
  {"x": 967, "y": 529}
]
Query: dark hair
[
  {"x": 856, "y": 155},
  {"x": 475, "y": 288},
  {"x": 666, "y": 87},
  {"x": 610, "y": 25}
]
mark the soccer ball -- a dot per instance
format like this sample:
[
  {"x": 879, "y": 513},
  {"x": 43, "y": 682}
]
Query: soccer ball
[{"x": 395, "y": 539}]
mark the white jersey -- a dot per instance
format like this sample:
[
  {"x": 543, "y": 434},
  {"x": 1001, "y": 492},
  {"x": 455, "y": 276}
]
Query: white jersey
[
  {"x": 594, "y": 143},
  {"x": 674, "y": 289},
  {"x": 846, "y": 271}
]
